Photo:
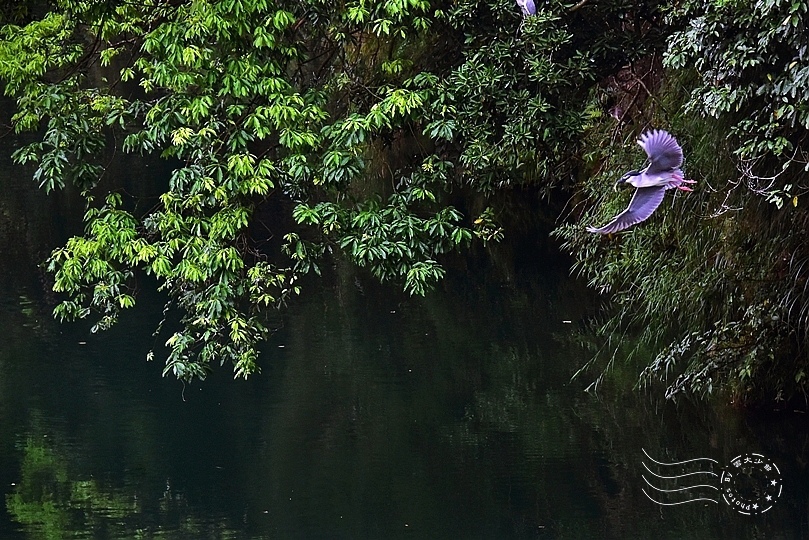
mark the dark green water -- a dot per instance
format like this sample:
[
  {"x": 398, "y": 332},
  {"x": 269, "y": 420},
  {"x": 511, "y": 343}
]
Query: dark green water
[{"x": 375, "y": 416}]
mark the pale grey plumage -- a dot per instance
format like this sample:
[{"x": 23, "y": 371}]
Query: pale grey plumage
[{"x": 528, "y": 7}]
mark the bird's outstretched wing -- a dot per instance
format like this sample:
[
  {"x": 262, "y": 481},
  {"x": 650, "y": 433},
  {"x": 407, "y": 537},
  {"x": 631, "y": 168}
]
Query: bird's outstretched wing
[
  {"x": 663, "y": 151},
  {"x": 644, "y": 202}
]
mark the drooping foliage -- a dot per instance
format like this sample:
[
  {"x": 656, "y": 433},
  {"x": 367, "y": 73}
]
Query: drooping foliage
[
  {"x": 357, "y": 120},
  {"x": 244, "y": 98}
]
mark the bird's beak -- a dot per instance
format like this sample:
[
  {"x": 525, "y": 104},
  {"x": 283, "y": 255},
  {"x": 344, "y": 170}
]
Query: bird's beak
[{"x": 624, "y": 180}]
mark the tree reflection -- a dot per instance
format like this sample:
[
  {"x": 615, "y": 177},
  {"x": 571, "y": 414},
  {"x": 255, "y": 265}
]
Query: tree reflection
[{"x": 51, "y": 501}]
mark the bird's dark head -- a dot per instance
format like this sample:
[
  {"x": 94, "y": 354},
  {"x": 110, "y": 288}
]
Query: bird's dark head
[{"x": 624, "y": 180}]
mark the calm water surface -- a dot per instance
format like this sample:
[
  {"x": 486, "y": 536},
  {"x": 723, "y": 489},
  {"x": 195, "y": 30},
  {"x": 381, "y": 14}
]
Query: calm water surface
[{"x": 375, "y": 416}]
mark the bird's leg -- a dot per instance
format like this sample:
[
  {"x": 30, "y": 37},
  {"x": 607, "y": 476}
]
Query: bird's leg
[
  {"x": 680, "y": 181},
  {"x": 686, "y": 188}
]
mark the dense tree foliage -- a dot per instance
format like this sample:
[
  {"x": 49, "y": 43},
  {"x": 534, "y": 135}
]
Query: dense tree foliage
[
  {"x": 244, "y": 97},
  {"x": 382, "y": 131},
  {"x": 363, "y": 117}
]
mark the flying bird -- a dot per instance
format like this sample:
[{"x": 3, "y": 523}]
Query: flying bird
[
  {"x": 527, "y": 6},
  {"x": 662, "y": 173}
]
